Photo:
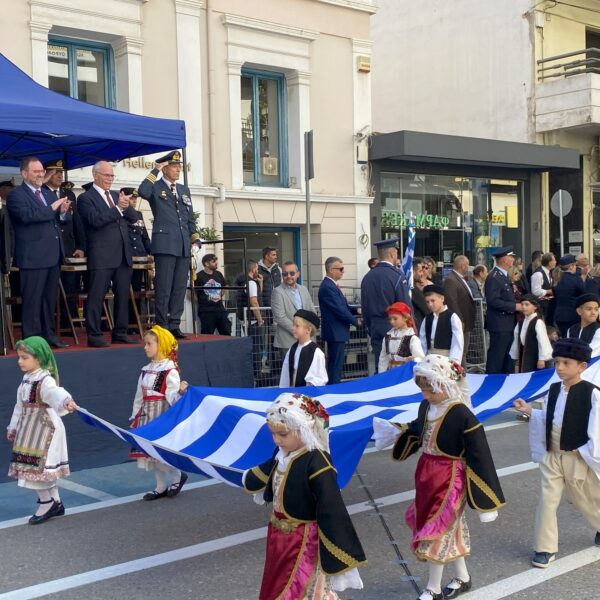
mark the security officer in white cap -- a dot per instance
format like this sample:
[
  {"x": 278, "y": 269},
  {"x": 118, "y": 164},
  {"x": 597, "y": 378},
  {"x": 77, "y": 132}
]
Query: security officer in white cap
[{"x": 173, "y": 233}]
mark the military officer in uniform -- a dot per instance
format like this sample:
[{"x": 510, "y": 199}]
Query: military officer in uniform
[
  {"x": 138, "y": 234},
  {"x": 173, "y": 233},
  {"x": 383, "y": 285},
  {"x": 501, "y": 309}
]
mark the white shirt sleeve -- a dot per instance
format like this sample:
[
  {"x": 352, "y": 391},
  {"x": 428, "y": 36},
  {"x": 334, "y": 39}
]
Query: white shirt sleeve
[
  {"x": 537, "y": 281},
  {"x": 590, "y": 452},
  {"x": 252, "y": 289},
  {"x": 458, "y": 338},
  {"x": 137, "y": 399},
  {"x": 348, "y": 579},
  {"x": 514, "y": 349},
  {"x": 544, "y": 345},
  {"x": 317, "y": 373},
  {"x": 172, "y": 387},
  {"x": 17, "y": 411},
  {"x": 595, "y": 344},
  {"x": 384, "y": 359},
  {"x": 416, "y": 348},
  {"x": 53, "y": 395},
  {"x": 284, "y": 378},
  {"x": 422, "y": 337},
  {"x": 537, "y": 433}
]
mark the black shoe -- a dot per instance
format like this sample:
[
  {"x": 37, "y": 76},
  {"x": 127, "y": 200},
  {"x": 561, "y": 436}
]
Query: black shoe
[
  {"x": 51, "y": 512},
  {"x": 178, "y": 334},
  {"x": 57, "y": 344},
  {"x": 175, "y": 488},
  {"x": 597, "y": 538},
  {"x": 427, "y": 594},
  {"x": 453, "y": 592},
  {"x": 123, "y": 339},
  {"x": 94, "y": 342},
  {"x": 61, "y": 509},
  {"x": 542, "y": 560},
  {"x": 154, "y": 495}
]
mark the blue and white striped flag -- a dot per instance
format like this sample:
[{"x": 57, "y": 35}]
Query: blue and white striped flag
[
  {"x": 220, "y": 432},
  {"x": 409, "y": 253}
]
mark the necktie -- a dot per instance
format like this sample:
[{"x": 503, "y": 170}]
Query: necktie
[
  {"x": 173, "y": 190},
  {"x": 109, "y": 199},
  {"x": 40, "y": 198}
]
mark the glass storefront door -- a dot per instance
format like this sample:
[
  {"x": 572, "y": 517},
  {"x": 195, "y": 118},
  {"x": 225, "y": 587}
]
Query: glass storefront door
[{"x": 452, "y": 215}]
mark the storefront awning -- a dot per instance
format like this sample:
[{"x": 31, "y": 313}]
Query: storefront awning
[{"x": 416, "y": 146}]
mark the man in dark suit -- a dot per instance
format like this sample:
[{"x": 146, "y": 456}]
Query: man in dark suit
[
  {"x": 6, "y": 246},
  {"x": 459, "y": 298},
  {"x": 105, "y": 215},
  {"x": 500, "y": 315},
  {"x": 336, "y": 318},
  {"x": 35, "y": 214},
  {"x": 173, "y": 233},
  {"x": 383, "y": 285}
]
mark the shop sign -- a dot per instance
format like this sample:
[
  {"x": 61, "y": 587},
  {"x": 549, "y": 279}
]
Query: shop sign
[
  {"x": 392, "y": 218},
  {"x": 498, "y": 219}
]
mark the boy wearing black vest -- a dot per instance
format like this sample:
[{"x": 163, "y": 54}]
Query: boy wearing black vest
[
  {"x": 565, "y": 440},
  {"x": 588, "y": 329},
  {"x": 304, "y": 363},
  {"x": 441, "y": 330}
]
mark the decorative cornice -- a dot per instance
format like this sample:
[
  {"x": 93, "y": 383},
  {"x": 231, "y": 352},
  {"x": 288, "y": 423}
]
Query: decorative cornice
[
  {"x": 299, "y": 78},
  {"x": 73, "y": 9},
  {"x": 39, "y": 30},
  {"x": 269, "y": 27},
  {"x": 190, "y": 8},
  {"x": 293, "y": 195},
  {"x": 234, "y": 67},
  {"x": 362, "y": 46},
  {"x": 128, "y": 45},
  {"x": 367, "y": 6}
]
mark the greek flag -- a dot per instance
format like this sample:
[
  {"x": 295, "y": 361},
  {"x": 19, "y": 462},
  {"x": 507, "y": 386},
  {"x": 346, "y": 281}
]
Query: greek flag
[
  {"x": 220, "y": 432},
  {"x": 409, "y": 252}
]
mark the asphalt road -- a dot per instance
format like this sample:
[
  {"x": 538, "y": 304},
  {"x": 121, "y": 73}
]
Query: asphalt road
[{"x": 208, "y": 543}]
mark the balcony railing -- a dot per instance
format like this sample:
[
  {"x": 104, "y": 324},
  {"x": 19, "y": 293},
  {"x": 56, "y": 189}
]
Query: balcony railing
[{"x": 567, "y": 65}]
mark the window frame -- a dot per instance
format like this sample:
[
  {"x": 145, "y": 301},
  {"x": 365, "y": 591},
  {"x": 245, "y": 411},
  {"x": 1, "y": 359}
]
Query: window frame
[
  {"x": 72, "y": 44},
  {"x": 280, "y": 79}
]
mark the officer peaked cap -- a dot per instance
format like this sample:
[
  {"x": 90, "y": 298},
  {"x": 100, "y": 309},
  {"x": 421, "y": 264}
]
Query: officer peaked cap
[
  {"x": 54, "y": 164},
  {"x": 171, "y": 158}
]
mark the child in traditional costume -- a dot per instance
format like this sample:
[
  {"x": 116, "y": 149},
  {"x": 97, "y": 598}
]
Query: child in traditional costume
[
  {"x": 159, "y": 387},
  {"x": 531, "y": 347},
  {"x": 304, "y": 363},
  {"x": 312, "y": 546},
  {"x": 39, "y": 454},
  {"x": 400, "y": 344},
  {"x": 441, "y": 330},
  {"x": 588, "y": 329},
  {"x": 565, "y": 440},
  {"x": 455, "y": 467}
]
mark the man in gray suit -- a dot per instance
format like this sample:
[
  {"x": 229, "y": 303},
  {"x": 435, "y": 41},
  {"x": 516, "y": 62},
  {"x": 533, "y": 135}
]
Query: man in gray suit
[
  {"x": 286, "y": 299},
  {"x": 173, "y": 233}
]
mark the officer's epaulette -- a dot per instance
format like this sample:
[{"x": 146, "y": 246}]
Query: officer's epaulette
[{"x": 151, "y": 177}]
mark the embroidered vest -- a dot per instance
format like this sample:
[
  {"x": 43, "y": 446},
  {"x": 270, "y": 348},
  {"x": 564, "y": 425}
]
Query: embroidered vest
[
  {"x": 443, "y": 331},
  {"x": 404, "y": 348},
  {"x": 577, "y": 414},
  {"x": 306, "y": 357},
  {"x": 587, "y": 335},
  {"x": 528, "y": 352}
]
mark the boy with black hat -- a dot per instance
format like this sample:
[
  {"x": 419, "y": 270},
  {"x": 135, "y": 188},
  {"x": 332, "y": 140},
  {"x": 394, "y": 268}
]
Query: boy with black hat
[
  {"x": 588, "y": 329},
  {"x": 441, "y": 330},
  {"x": 565, "y": 440},
  {"x": 304, "y": 363},
  {"x": 531, "y": 347}
]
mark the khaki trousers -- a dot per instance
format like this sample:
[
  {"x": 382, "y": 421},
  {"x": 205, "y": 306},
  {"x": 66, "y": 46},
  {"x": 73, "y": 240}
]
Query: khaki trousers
[{"x": 564, "y": 470}]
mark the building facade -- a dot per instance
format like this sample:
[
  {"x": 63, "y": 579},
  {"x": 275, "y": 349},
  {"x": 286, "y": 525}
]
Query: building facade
[
  {"x": 248, "y": 78},
  {"x": 498, "y": 73}
]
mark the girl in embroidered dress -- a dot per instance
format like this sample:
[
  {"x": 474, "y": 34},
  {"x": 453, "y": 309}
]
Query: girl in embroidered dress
[
  {"x": 455, "y": 467},
  {"x": 531, "y": 347},
  {"x": 312, "y": 546},
  {"x": 39, "y": 454},
  {"x": 400, "y": 344},
  {"x": 159, "y": 387}
]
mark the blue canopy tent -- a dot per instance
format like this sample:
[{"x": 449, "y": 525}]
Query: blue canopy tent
[{"x": 37, "y": 121}]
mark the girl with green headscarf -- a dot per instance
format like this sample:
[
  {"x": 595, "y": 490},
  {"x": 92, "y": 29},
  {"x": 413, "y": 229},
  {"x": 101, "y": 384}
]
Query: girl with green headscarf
[{"x": 39, "y": 454}]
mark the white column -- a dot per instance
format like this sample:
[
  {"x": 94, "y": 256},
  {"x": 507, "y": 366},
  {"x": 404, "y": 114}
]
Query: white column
[
  {"x": 128, "y": 74},
  {"x": 361, "y": 82},
  {"x": 234, "y": 73},
  {"x": 189, "y": 71},
  {"x": 298, "y": 87},
  {"x": 39, "y": 51}
]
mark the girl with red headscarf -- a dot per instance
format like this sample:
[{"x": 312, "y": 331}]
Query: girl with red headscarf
[{"x": 400, "y": 344}]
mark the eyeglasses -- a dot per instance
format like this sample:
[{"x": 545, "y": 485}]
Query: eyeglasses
[
  {"x": 338, "y": 269},
  {"x": 107, "y": 175},
  {"x": 288, "y": 273}
]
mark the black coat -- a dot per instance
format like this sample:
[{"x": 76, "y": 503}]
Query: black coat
[
  {"x": 37, "y": 237},
  {"x": 566, "y": 293},
  {"x": 71, "y": 226},
  {"x": 106, "y": 230}
]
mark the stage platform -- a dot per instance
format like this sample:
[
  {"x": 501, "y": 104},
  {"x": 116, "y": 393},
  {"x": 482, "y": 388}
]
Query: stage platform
[{"x": 103, "y": 380}]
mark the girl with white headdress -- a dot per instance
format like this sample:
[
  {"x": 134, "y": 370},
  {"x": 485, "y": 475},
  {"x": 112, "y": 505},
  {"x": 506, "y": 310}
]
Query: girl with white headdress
[
  {"x": 455, "y": 468},
  {"x": 312, "y": 547}
]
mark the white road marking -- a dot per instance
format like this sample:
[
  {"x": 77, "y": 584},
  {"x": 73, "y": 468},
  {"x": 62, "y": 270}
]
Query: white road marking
[
  {"x": 505, "y": 588},
  {"x": 110, "y": 501},
  {"x": 140, "y": 564},
  {"x": 84, "y": 490}
]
